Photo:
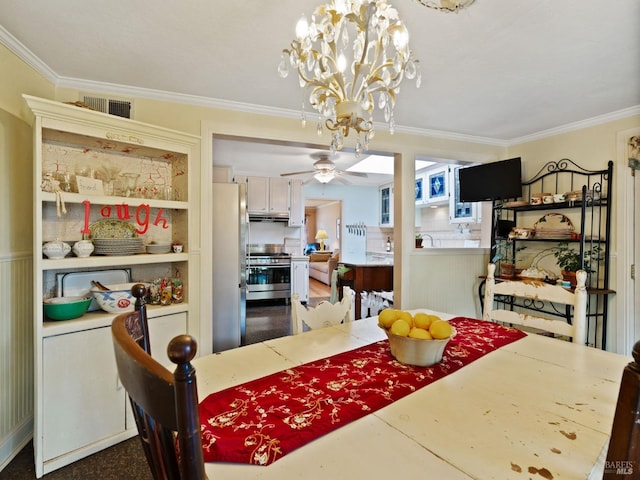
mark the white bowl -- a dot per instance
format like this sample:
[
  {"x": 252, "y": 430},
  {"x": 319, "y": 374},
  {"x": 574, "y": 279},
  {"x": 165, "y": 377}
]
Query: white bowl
[
  {"x": 416, "y": 351},
  {"x": 159, "y": 248},
  {"x": 118, "y": 299}
]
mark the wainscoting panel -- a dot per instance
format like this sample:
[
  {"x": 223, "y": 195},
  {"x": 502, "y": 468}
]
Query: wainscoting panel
[{"x": 16, "y": 354}]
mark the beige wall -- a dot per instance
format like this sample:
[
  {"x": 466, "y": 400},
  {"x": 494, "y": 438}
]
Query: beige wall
[{"x": 326, "y": 216}]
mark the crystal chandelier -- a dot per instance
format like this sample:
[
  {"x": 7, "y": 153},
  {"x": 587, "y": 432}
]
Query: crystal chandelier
[
  {"x": 446, "y": 5},
  {"x": 352, "y": 56}
]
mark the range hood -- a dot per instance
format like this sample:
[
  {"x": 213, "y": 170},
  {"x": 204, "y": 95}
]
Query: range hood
[{"x": 269, "y": 217}]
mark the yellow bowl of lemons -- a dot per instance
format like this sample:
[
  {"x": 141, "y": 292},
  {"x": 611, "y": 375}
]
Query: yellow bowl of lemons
[{"x": 415, "y": 339}]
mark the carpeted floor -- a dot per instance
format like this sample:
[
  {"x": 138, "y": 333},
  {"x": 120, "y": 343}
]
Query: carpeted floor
[{"x": 124, "y": 461}]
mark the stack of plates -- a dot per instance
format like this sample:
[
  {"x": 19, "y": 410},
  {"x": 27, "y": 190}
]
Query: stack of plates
[
  {"x": 554, "y": 226},
  {"x": 118, "y": 246}
]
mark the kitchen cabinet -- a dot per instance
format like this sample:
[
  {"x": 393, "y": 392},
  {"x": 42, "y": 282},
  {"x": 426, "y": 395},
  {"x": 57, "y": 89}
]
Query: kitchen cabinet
[
  {"x": 300, "y": 277},
  {"x": 579, "y": 217},
  {"x": 90, "y": 166},
  {"x": 267, "y": 196},
  {"x": 296, "y": 212},
  {"x": 385, "y": 201}
]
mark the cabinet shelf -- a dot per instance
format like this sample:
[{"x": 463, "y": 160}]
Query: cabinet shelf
[
  {"x": 554, "y": 240},
  {"x": 113, "y": 260},
  {"x": 555, "y": 206},
  {"x": 70, "y": 197},
  {"x": 100, "y": 318}
]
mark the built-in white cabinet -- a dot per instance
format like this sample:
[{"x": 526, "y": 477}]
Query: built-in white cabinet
[
  {"x": 90, "y": 167},
  {"x": 300, "y": 277},
  {"x": 296, "y": 204},
  {"x": 385, "y": 202},
  {"x": 267, "y": 196}
]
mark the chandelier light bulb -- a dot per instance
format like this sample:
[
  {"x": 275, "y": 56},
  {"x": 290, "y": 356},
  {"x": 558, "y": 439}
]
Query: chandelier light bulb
[
  {"x": 342, "y": 63},
  {"x": 302, "y": 28}
]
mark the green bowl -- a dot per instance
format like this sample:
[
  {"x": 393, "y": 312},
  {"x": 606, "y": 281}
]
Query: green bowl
[{"x": 66, "y": 308}]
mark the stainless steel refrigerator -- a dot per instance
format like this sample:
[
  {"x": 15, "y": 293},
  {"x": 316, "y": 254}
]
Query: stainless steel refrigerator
[{"x": 229, "y": 286}]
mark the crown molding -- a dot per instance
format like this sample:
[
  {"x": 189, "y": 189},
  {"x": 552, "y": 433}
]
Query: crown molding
[
  {"x": 572, "y": 127},
  {"x": 27, "y": 56},
  {"x": 32, "y": 60}
]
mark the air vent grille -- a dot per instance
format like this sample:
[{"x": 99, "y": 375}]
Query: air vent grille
[{"x": 121, "y": 108}]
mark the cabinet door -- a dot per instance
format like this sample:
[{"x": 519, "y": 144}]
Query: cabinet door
[
  {"x": 437, "y": 184},
  {"x": 278, "y": 195},
  {"x": 258, "y": 194},
  {"x": 83, "y": 400},
  {"x": 161, "y": 332},
  {"x": 300, "y": 279},
  {"x": 460, "y": 212},
  {"x": 386, "y": 206},
  {"x": 419, "y": 190},
  {"x": 296, "y": 211}
]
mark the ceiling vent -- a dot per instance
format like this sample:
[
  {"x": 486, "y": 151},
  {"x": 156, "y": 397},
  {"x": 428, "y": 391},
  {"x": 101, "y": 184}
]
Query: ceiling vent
[{"x": 112, "y": 106}]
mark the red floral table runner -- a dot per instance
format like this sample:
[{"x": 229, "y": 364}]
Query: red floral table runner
[{"x": 262, "y": 420}]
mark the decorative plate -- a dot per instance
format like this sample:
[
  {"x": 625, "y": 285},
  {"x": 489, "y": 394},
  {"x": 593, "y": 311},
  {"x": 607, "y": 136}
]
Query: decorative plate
[
  {"x": 554, "y": 221},
  {"x": 113, "y": 229}
]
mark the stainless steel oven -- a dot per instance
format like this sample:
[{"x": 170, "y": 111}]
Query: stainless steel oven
[{"x": 268, "y": 273}]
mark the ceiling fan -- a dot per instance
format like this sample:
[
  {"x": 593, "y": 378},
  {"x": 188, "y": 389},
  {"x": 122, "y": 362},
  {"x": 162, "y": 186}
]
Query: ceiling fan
[{"x": 324, "y": 170}]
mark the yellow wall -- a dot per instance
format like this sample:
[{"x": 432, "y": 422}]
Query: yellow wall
[{"x": 421, "y": 279}]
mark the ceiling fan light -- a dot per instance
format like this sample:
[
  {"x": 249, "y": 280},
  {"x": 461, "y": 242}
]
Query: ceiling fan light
[{"x": 324, "y": 177}]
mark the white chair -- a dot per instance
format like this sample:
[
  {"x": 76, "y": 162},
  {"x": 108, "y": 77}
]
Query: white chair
[
  {"x": 535, "y": 290},
  {"x": 324, "y": 314}
]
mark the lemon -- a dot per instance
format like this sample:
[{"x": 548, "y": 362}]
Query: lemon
[
  {"x": 386, "y": 317},
  {"x": 424, "y": 320},
  {"x": 406, "y": 316},
  {"x": 440, "y": 329},
  {"x": 400, "y": 327},
  {"x": 421, "y": 333}
]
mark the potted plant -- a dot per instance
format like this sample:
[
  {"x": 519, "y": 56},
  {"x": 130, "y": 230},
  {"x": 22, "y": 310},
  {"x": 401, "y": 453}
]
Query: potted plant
[
  {"x": 418, "y": 240},
  {"x": 570, "y": 262},
  {"x": 502, "y": 258}
]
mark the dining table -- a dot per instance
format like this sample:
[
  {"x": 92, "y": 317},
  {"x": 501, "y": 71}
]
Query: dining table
[{"x": 537, "y": 407}]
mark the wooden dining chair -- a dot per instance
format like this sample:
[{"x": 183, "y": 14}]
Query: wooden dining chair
[
  {"x": 324, "y": 314},
  {"x": 532, "y": 292},
  {"x": 165, "y": 405},
  {"x": 623, "y": 455}
]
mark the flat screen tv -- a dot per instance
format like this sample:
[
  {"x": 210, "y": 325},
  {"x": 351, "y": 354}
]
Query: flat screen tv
[{"x": 491, "y": 181}]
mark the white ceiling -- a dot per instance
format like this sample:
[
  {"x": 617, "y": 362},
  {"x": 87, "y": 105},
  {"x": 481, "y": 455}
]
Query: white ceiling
[{"x": 499, "y": 71}]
